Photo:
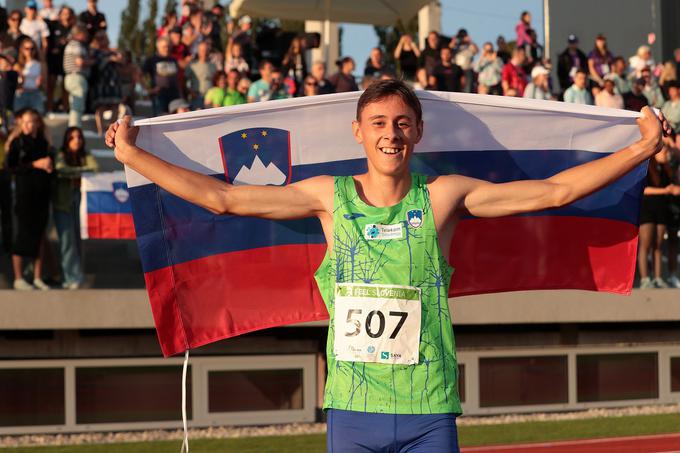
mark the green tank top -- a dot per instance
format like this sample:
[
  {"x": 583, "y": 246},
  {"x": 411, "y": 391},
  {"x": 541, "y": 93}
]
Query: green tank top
[{"x": 409, "y": 255}]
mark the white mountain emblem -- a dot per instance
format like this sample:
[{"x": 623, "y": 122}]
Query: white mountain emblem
[{"x": 259, "y": 175}]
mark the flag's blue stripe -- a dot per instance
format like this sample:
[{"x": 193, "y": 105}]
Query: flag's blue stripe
[
  {"x": 106, "y": 203},
  {"x": 192, "y": 232}
]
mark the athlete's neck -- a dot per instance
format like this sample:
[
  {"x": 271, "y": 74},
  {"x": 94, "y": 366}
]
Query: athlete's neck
[{"x": 382, "y": 190}]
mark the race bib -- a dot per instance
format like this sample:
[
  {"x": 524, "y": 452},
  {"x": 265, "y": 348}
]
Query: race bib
[{"x": 377, "y": 323}]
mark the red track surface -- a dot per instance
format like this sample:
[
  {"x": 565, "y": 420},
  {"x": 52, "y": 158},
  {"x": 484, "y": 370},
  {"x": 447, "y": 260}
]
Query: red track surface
[{"x": 664, "y": 443}]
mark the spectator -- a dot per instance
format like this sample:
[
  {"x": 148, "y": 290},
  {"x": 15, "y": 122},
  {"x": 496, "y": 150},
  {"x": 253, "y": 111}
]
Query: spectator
[
  {"x": 407, "y": 54},
  {"x": 294, "y": 65},
  {"x": 319, "y": 73},
  {"x": 180, "y": 52},
  {"x": 600, "y": 60},
  {"x": 178, "y": 105},
  {"x": 191, "y": 32},
  {"x": 343, "y": 80},
  {"x": 450, "y": 76},
  {"x": 56, "y": 42},
  {"x": 671, "y": 108},
  {"x": 30, "y": 160},
  {"x": 489, "y": 68},
  {"x": 215, "y": 24},
  {"x": 578, "y": 93},
  {"x": 513, "y": 77},
  {"x": 270, "y": 85},
  {"x": 34, "y": 27},
  {"x": 77, "y": 63},
  {"x": 464, "y": 51},
  {"x": 92, "y": 19},
  {"x": 243, "y": 86},
  {"x": 234, "y": 59},
  {"x": 538, "y": 87},
  {"x": 522, "y": 28},
  {"x": 72, "y": 160},
  {"x": 311, "y": 86},
  {"x": 430, "y": 56},
  {"x": 48, "y": 12},
  {"x": 105, "y": 91},
  {"x": 215, "y": 56},
  {"x": 618, "y": 75},
  {"x": 533, "y": 50},
  {"x": 9, "y": 80},
  {"x": 652, "y": 90},
  {"x": 503, "y": 50},
  {"x": 375, "y": 66},
  {"x": 199, "y": 74},
  {"x": 641, "y": 60},
  {"x": 634, "y": 100},
  {"x": 569, "y": 61},
  {"x": 130, "y": 75},
  {"x": 608, "y": 97},
  {"x": 30, "y": 72},
  {"x": 243, "y": 36},
  {"x": 162, "y": 72},
  {"x": 232, "y": 95},
  {"x": 169, "y": 23},
  {"x": 668, "y": 74},
  {"x": 13, "y": 35}
]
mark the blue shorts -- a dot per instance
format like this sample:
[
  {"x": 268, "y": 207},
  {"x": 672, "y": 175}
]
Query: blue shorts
[{"x": 350, "y": 431}]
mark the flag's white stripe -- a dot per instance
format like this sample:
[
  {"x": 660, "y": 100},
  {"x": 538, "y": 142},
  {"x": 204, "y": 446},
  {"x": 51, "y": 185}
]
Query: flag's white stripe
[
  {"x": 91, "y": 182},
  {"x": 320, "y": 129}
]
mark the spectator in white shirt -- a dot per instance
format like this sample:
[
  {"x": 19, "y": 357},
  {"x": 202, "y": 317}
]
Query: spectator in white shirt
[
  {"x": 48, "y": 11},
  {"x": 608, "y": 97},
  {"x": 34, "y": 27}
]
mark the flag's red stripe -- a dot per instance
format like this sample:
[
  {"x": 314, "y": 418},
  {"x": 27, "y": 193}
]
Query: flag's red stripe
[
  {"x": 233, "y": 293},
  {"x": 110, "y": 226}
]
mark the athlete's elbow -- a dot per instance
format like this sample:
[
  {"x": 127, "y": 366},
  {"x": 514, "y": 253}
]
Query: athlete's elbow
[
  {"x": 217, "y": 202},
  {"x": 560, "y": 196}
]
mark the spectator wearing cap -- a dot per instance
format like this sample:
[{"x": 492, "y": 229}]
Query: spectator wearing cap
[
  {"x": 671, "y": 108},
  {"x": 93, "y": 19},
  {"x": 521, "y": 29},
  {"x": 77, "y": 62},
  {"x": 430, "y": 55},
  {"x": 608, "y": 97},
  {"x": 464, "y": 51},
  {"x": 450, "y": 76},
  {"x": 641, "y": 60},
  {"x": 178, "y": 105},
  {"x": 578, "y": 92},
  {"x": 489, "y": 67},
  {"x": 407, "y": 54},
  {"x": 319, "y": 73},
  {"x": 538, "y": 88},
  {"x": 162, "y": 72},
  {"x": 569, "y": 61},
  {"x": 34, "y": 27},
  {"x": 513, "y": 77},
  {"x": 634, "y": 100},
  {"x": 600, "y": 60},
  {"x": 618, "y": 75},
  {"x": 343, "y": 80}
]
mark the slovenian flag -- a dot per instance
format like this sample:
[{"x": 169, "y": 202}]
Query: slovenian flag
[
  {"x": 212, "y": 277},
  {"x": 105, "y": 208}
]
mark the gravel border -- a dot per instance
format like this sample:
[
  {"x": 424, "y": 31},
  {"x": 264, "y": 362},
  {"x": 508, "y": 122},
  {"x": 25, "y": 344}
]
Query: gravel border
[{"x": 230, "y": 432}]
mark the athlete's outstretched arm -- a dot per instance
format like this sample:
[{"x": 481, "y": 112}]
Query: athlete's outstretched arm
[
  {"x": 484, "y": 199},
  {"x": 307, "y": 198}
]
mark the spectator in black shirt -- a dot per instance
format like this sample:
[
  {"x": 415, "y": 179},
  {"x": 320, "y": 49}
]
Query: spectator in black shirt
[
  {"x": 319, "y": 73},
  {"x": 407, "y": 54},
  {"x": 343, "y": 80},
  {"x": 634, "y": 100},
  {"x": 375, "y": 67},
  {"x": 429, "y": 56},
  {"x": 162, "y": 71},
  {"x": 9, "y": 81},
  {"x": 56, "y": 42},
  {"x": 569, "y": 62},
  {"x": 450, "y": 76},
  {"x": 92, "y": 19}
]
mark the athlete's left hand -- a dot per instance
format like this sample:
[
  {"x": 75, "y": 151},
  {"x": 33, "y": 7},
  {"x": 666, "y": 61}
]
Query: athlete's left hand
[{"x": 653, "y": 127}]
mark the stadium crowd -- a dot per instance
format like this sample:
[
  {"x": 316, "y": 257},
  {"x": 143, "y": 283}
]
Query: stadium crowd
[{"x": 53, "y": 60}]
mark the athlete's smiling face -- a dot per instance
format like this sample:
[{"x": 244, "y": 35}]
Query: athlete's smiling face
[{"x": 389, "y": 130}]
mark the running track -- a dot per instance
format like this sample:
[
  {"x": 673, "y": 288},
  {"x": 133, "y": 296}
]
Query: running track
[{"x": 664, "y": 443}]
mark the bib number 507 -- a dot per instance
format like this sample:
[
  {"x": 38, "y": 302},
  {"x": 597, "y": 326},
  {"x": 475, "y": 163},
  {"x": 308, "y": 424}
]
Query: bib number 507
[{"x": 374, "y": 322}]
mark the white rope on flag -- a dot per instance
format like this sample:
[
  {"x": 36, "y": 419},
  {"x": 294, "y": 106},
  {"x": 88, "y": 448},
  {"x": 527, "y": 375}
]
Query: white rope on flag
[{"x": 185, "y": 442}]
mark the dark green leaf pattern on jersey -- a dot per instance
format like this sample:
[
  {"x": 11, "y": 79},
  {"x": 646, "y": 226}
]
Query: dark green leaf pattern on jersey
[{"x": 414, "y": 260}]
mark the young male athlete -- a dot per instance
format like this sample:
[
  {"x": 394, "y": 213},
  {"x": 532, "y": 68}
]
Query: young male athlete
[{"x": 392, "y": 372}]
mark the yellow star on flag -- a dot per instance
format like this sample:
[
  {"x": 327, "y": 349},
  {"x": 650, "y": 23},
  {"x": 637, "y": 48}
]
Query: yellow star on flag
[
  {"x": 256, "y": 146},
  {"x": 264, "y": 133},
  {"x": 244, "y": 135}
]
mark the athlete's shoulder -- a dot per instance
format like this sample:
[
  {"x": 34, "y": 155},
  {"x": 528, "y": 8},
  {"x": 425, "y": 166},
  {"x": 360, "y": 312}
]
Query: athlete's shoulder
[
  {"x": 318, "y": 187},
  {"x": 449, "y": 183}
]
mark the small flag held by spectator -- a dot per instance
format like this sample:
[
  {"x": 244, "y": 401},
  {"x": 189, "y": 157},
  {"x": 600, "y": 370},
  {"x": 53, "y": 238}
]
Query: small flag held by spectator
[{"x": 105, "y": 211}]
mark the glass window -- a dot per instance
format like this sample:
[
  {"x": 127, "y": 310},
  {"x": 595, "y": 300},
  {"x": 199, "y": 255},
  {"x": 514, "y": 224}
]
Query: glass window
[
  {"x": 254, "y": 390},
  {"x": 461, "y": 382},
  {"x": 613, "y": 377},
  {"x": 30, "y": 397},
  {"x": 522, "y": 381},
  {"x": 675, "y": 374},
  {"x": 130, "y": 394}
]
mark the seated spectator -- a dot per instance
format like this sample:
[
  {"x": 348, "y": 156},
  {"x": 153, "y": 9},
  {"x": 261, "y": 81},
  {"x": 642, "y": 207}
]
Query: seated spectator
[
  {"x": 228, "y": 83},
  {"x": 671, "y": 109},
  {"x": 375, "y": 66},
  {"x": 30, "y": 71},
  {"x": 450, "y": 76},
  {"x": 578, "y": 92},
  {"x": 538, "y": 87},
  {"x": 430, "y": 56},
  {"x": 34, "y": 27},
  {"x": 77, "y": 63},
  {"x": 513, "y": 77},
  {"x": 178, "y": 105},
  {"x": 30, "y": 159},
  {"x": 343, "y": 80},
  {"x": 311, "y": 86},
  {"x": 652, "y": 90},
  {"x": 634, "y": 100},
  {"x": 600, "y": 60},
  {"x": 199, "y": 74},
  {"x": 641, "y": 60},
  {"x": 366, "y": 81},
  {"x": 319, "y": 73},
  {"x": 72, "y": 160},
  {"x": 243, "y": 86},
  {"x": 294, "y": 65},
  {"x": 489, "y": 68},
  {"x": 464, "y": 51},
  {"x": 608, "y": 97},
  {"x": 422, "y": 82},
  {"x": 270, "y": 86},
  {"x": 214, "y": 97},
  {"x": 162, "y": 72},
  {"x": 569, "y": 61},
  {"x": 407, "y": 54},
  {"x": 618, "y": 75}
]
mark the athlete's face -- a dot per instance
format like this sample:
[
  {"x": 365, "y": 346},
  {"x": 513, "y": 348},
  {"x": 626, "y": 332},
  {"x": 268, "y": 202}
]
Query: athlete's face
[{"x": 388, "y": 130}]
